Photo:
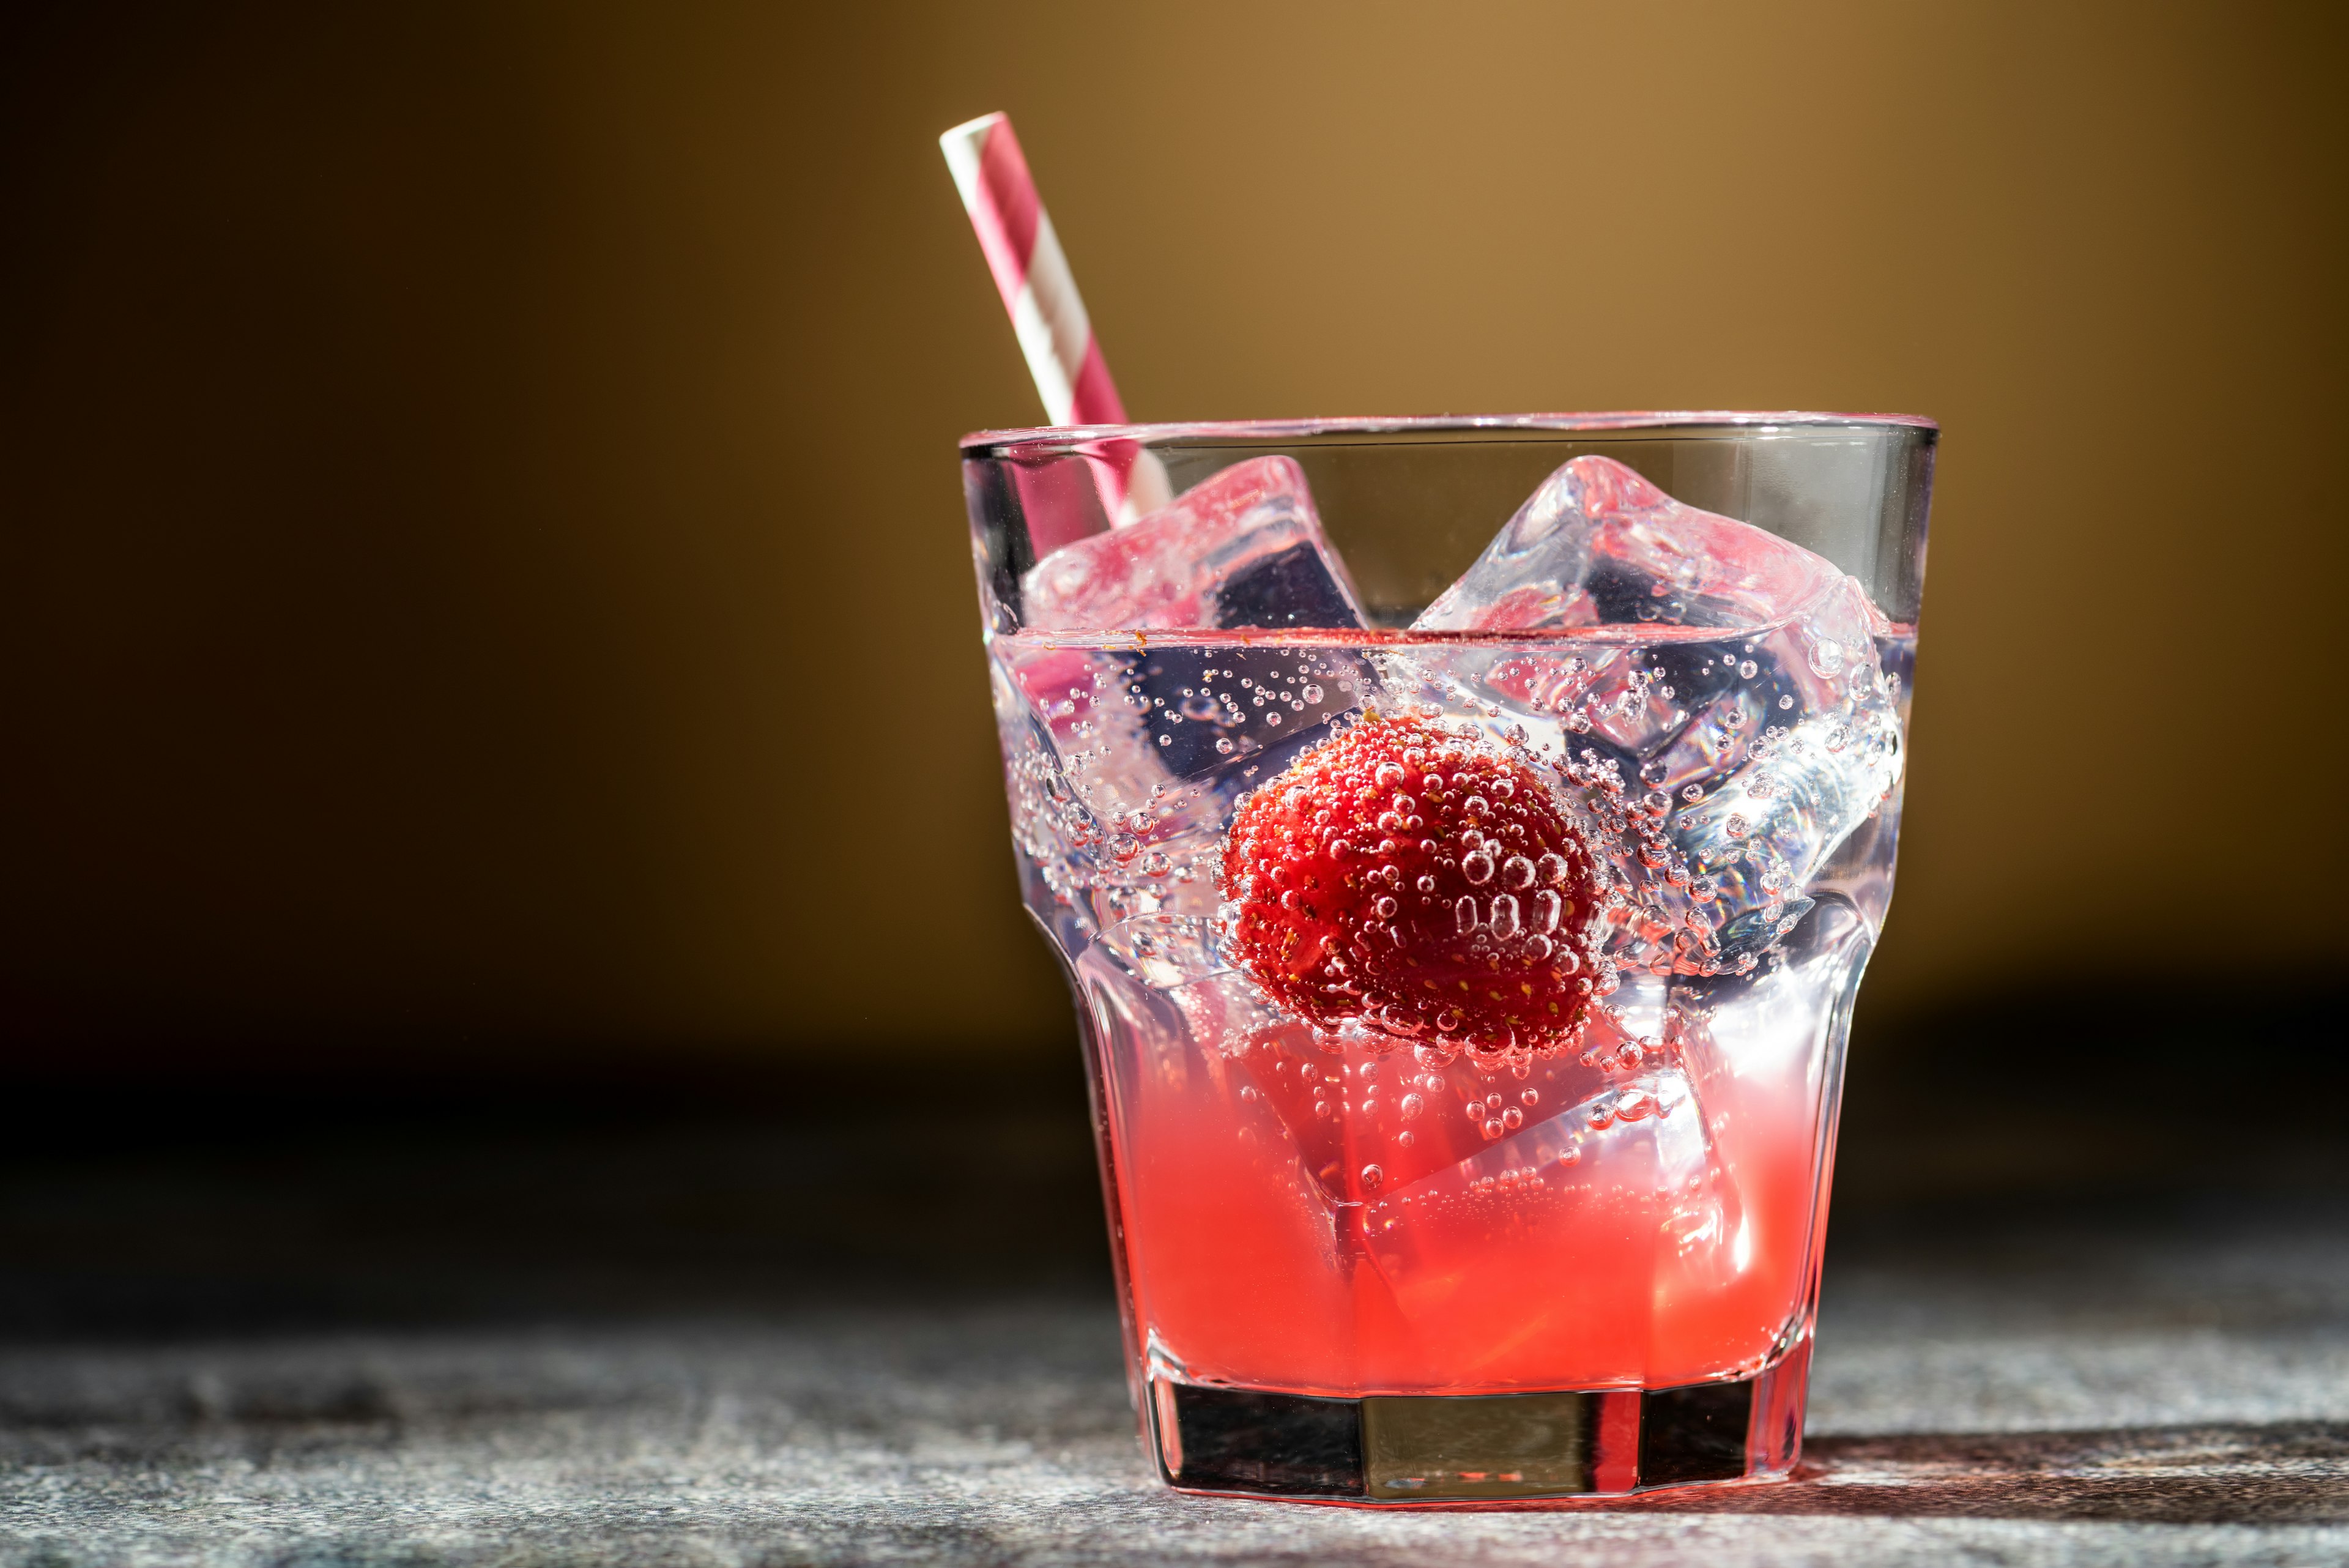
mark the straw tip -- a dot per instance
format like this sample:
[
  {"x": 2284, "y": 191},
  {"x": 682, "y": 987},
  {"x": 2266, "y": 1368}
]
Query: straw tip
[{"x": 972, "y": 129}]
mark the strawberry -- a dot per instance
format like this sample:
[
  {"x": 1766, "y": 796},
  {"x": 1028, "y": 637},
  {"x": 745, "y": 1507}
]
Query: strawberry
[{"x": 1423, "y": 882}]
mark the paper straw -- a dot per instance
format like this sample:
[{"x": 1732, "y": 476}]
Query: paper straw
[{"x": 1031, "y": 274}]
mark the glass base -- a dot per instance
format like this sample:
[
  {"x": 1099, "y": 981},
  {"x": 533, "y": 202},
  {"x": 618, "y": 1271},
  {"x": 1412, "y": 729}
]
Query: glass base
[{"x": 1467, "y": 1448}]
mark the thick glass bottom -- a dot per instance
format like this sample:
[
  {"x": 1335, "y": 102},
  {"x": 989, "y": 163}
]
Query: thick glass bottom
[{"x": 1404, "y": 1449}]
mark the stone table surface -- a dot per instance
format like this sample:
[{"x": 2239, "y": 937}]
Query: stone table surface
[{"x": 2168, "y": 1387}]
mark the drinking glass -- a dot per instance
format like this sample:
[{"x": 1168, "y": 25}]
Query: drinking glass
[{"x": 1597, "y": 719}]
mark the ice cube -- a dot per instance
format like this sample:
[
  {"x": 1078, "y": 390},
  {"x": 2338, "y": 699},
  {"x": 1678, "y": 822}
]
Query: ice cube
[
  {"x": 1208, "y": 1183},
  {"x": 1243, "y": 549},
  {"x": 1122, "y": 767},
  {"x": 1584, "y": 1192},
  {"x": 1368, "y": 1118},
  {"x": 1777, "y": 820},
  {"x": 1181, "y": 1008},
  {"x": 1778, "y": 792},
  {"x": 1226, "y": 711},
  {"x": 1363, "y": 1115},
  {"x": 1586, "y": 1215},
  {"x": 1101, "y": 825},
  {"x": 1123, "y": 756},
  {"x": 1726, "y": 712},
  {"x": 1598, "y": 545}
]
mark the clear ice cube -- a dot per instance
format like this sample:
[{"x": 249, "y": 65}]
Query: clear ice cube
[
  {"x": 1630, "y": 1172},
  {"x": 1598, "y": 545},
  {"x": 1727, "y": 718},
  {"x": 1123, "y": 756},
  {"x": 1364, "y": 1118},
  {"x": 1367, "y": 1118},
  {"x": 1242, "y": 549}
]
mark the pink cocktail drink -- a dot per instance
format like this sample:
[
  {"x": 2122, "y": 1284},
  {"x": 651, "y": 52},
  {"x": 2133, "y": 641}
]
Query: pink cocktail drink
[{"x": 1464, "y": 999}]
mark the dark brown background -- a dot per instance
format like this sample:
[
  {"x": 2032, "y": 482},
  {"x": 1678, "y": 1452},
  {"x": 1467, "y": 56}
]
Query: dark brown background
[{"x": 484, "y": 568}]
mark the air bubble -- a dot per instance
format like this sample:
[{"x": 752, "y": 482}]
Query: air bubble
[
  {"x": 1386, "y": 907},
  {"x": 1505, "y": 916},
  {"x": 1550, "y": 869},
  {"x": 1411, "y": 1107},
  {"x": 1224, "y": 745},
  {"x": 1516, "y": 872},
  {"x": 1748, "y": 669},
  {"x": 1537, "y": 948},
  {"x": 1513, "y": 1118},
  {"x": 1389, "y": 775},
  {"x": 1426, "y": 884},
  {"x": 1787, "y": 701},
  {"x": 1530, "y": 1098},
  {"x": 1477, "y": 805},
  {"x": 1311, "y": 693},
  {"x": 1157, "y": 862},
  {"x": 1464, "y": 915},
  {"x": 1478, "y": 866},
  {"x": 1547, "y": 906},
  {"x": 1371, "y": 1177}
]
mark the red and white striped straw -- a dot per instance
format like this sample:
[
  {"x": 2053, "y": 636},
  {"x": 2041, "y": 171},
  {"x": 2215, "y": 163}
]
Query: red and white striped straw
[{"x": 1031, "y": 274}]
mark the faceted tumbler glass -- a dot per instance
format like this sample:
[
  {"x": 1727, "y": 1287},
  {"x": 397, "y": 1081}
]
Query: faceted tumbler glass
[{"x": 1464, "y": 839}]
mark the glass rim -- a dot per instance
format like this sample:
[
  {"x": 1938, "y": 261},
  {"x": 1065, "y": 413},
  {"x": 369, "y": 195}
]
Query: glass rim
[{"x": 1025, "y": 439}]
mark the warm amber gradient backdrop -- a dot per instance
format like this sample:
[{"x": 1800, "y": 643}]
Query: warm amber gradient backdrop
[{"x": 483, "y": 559}]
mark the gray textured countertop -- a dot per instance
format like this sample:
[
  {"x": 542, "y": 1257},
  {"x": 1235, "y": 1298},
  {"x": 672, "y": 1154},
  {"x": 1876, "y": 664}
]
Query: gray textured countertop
[{"x": 2158, "y": 1389}]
